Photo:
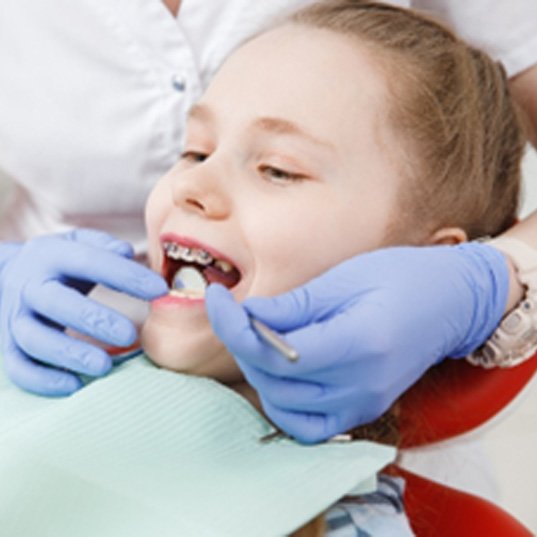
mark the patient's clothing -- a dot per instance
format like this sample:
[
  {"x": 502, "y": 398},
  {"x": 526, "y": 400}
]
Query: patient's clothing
[
  {"x": 147, "y": 452},
  {"x": 370, "y": 515}
]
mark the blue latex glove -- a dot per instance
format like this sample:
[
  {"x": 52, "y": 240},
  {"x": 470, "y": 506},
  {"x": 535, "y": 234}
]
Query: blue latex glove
[
  {"x": 365, "y": 330},
  {"x": 42, "y": 290}
]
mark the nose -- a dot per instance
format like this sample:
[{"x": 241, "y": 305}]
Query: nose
[{"x": 201, "y": 190}]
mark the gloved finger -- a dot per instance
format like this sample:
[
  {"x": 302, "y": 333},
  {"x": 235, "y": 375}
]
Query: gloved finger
[
  {"x": 285, "y": 393},
  {"x": 315, "y": 301},
  {"x": 304, "y": 427},
  {"x": 98, "y": 265},
  {"x": 352, "y": 403},
  {"x": 231, "y": 323},
  {"x": 290, "y": 310},
  {"x": 323, "y": 347},
  {"x": 363, "y": 343},
  {"x": 7, "y": 250},
  {"x": 320, "y": 346},
  {"x": 55, "y": 348},
  {"x": 113, "y": 271},
  {"x": 37, "y": 378},
  {"x": 100, "y": 239},
  {"x": 69, "y": 308},
  {"x": 343, "y": 341}
]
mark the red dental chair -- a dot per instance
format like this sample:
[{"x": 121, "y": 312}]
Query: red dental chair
[{"x": 459, "y": 400}]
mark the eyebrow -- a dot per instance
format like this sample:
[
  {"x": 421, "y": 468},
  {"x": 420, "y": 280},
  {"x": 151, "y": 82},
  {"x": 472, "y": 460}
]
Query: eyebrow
[
  {"x": 271, "y": 125},
  {"x": 275, "y": 125}
]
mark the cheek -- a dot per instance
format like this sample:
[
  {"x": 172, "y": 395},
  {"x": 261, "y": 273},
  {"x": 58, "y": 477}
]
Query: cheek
[
  {"x": 157, "y": 207},
  {"x": 307, "y": 242},
  {"x": 291, "y": 251}
]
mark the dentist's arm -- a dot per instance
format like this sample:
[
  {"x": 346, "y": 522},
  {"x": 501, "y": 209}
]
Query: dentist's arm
[
  {"x": 524, "y": 89},
  {"x": 42, "y": 291}
]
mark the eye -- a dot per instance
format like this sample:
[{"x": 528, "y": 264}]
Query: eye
[
  {"x": 278, "y": 175},
  {"x": 193, "y": 156}
]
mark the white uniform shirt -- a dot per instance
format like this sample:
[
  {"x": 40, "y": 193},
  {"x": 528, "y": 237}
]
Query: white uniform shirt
[{"x": 93, "y": 94}]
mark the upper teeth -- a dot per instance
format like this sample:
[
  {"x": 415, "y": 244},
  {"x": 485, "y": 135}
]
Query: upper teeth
[
  {"x": 202, "y": 257},
  {"x": 175, "y": 251}
]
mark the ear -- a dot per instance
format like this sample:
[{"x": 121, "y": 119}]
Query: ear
[{"x": 448, "y": 235}]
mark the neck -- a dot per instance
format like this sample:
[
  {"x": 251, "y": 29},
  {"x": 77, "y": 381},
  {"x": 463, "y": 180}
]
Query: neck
[
  {"x": 244, "y": 389},
  {"x": 173, "y": 6}
]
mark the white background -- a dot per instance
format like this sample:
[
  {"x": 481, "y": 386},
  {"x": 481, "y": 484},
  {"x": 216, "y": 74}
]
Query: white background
[{"x": 512, "y": 442}]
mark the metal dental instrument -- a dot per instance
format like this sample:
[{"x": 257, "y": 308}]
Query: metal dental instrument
[
  {"x": 264, "y": 332},
  {"x": 274, "y": 340}
]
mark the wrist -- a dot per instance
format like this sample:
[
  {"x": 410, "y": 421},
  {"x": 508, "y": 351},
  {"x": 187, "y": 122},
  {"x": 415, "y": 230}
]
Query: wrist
[
  {"x": 7, "y": 251},
  {"x": 516, "y": 288},
  {"x": 515, "y": 339},
  {"x": 487, "y": 276}
]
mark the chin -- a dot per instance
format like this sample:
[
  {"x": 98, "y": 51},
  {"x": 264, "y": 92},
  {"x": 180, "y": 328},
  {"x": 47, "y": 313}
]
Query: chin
[{"x": 195, "y": 353}]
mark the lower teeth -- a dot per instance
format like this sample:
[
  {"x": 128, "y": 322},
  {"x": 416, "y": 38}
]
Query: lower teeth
[{"x": 187, "y": 293}]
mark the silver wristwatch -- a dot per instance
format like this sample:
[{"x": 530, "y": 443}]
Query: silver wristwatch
[{"x": 515, "y": 339}]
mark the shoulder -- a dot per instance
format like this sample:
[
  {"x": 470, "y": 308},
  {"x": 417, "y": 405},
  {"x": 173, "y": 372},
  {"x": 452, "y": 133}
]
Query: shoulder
[{"x": 506, "y": 30}]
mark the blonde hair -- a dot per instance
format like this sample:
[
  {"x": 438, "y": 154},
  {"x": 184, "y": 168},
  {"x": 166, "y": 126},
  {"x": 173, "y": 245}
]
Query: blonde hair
[
  {"x": 459, "y": 128},
  {"x": 461, "y": 134}
]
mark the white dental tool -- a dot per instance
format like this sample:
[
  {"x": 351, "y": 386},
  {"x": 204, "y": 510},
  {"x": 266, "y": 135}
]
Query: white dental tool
[{"x": 274, "y": 340}]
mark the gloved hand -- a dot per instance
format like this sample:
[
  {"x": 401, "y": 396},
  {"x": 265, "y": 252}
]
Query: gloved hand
[
  {"x": 42, "y": 286},
  {"x": 365, "y": 330}
]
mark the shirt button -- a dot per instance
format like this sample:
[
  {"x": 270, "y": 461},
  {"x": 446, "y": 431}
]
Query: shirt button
[{"x": 178, "y": 83}]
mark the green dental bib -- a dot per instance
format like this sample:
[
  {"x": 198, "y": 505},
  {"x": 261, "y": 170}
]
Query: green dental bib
[{"x": 147, "y": 452}]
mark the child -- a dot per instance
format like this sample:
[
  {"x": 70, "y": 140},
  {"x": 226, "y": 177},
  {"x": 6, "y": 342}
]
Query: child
[{"x": 349, "y": 127}]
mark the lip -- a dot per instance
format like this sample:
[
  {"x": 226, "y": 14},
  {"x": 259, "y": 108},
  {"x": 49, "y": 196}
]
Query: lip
[{"x": 170, "y": 301}]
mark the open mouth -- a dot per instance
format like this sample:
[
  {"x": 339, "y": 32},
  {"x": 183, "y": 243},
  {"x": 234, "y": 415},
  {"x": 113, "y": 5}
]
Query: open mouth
[{"x": 189, "y": 270}]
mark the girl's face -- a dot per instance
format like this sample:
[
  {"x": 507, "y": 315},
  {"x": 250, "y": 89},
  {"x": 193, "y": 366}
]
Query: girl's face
[{"x": 286, "y": 171}]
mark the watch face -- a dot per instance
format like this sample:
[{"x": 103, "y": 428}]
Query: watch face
[{"x": 513, "y": 342}]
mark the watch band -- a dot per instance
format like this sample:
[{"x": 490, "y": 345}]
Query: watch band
[{"x": 515, "y": 339}]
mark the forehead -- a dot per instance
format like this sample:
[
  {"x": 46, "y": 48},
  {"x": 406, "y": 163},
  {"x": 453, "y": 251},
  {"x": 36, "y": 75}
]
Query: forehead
[{"x": 324, "y": 81}]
